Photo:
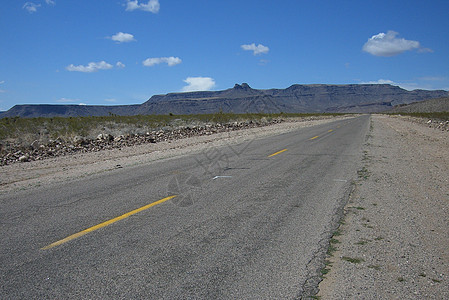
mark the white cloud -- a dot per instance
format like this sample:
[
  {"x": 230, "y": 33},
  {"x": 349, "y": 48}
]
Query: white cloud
[
  {"x": 259, "y": 49},
  {"x": 2, "y": 82},
  {"x": 70, "y": 101},
  {"x": 171, "y": 61},
  {"x": 31, "y": 7},
  {"x": 119, "y": 64},
  {"x": 66, "y": 100},
  {"x": 151, "y": 6},
  {"x": 110, "y": 100},
  {"x": 380, "y": 81},
  {"x": 425, "y": 50},
  {"x": 388, "y": 44},
  {"x": 121, "y": 37},
  {"x": 50, "y": 2},
  {"x": 91, "y": 67},
  {"x": 132, "y": 5},
  {"x": 419, "y": 83},
  {"x": 407, "y": 86},
  {"x": 198, "y": 84}
]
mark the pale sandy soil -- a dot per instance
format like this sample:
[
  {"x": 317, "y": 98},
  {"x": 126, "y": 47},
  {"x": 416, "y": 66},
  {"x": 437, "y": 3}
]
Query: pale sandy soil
[
  {"x": 397, "y": 220},
  {"x": 40, "y": 173}
]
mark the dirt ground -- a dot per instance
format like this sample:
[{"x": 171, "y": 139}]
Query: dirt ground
[{"x": 394, "y": 239}]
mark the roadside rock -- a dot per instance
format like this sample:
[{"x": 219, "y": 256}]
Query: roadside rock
[
  {"x": 105, "y": 137},
  {"x": 11, "y": 152},
  {"x": 431, "y": 123},
  {"x": 24, "y": 158},
  {"x": 14, "y": 152},
  {"x": 82, "y": 161},
  {"x": 79, "y": 140},
  {"x": 35, "y": 145}
]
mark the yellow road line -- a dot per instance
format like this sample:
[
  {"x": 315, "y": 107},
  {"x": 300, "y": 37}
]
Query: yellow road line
[
  {"x": 314, "y": 137},
  {"x": 277, "y": 153},
  {"x": 104, "y": 224},
  {"x": 330, "y": 130}
]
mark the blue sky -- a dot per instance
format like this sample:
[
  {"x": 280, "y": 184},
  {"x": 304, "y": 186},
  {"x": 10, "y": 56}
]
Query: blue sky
[{"x": 110, "y": 52}]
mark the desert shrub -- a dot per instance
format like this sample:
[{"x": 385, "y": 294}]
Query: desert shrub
[{"x": 27, "y": 130}]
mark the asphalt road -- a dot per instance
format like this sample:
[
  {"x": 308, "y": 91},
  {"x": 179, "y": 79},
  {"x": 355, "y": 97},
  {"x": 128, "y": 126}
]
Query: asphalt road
[{"x": 248, "y": 221}]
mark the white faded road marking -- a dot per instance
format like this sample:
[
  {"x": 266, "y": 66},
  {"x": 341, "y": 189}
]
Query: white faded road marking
[{"x": 221, "y": 177}]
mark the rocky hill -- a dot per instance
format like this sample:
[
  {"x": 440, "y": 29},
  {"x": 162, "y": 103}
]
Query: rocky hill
[
  {"x": 313, "y": 98},
  {"x": 427, "y": 106},
  {"x": 49, "y": 110}
]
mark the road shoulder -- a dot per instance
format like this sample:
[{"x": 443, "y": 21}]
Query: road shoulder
[
  {"x": 41, "y": 173},
  {"x": 392, "y": 242}
]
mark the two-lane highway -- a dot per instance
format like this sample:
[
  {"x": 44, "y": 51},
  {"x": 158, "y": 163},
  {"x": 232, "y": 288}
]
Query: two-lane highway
[{"x": 242, "y": 221}]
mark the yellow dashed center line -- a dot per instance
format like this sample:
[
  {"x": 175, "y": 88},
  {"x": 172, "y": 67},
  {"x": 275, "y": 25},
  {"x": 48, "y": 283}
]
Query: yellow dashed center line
[
  {"x": 277, "y": 153},
  {"x": 104, "y": 224},
  {"x": 124, "y": 216}
]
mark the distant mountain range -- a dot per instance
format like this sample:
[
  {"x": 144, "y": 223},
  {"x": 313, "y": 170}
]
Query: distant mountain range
[{"x": 310, "y": 98}]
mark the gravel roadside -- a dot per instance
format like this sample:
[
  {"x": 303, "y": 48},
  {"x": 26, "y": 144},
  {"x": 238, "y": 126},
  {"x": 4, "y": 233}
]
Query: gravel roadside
[
  {"x": 393, "y": 240},
  {"x": 41, "y": 173}
]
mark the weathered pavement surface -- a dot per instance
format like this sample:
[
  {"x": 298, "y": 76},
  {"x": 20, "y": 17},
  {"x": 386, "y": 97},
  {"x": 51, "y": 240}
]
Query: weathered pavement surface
[
  {"x": 394, "y": 243},
  {"x": 249, "y": 221}
]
